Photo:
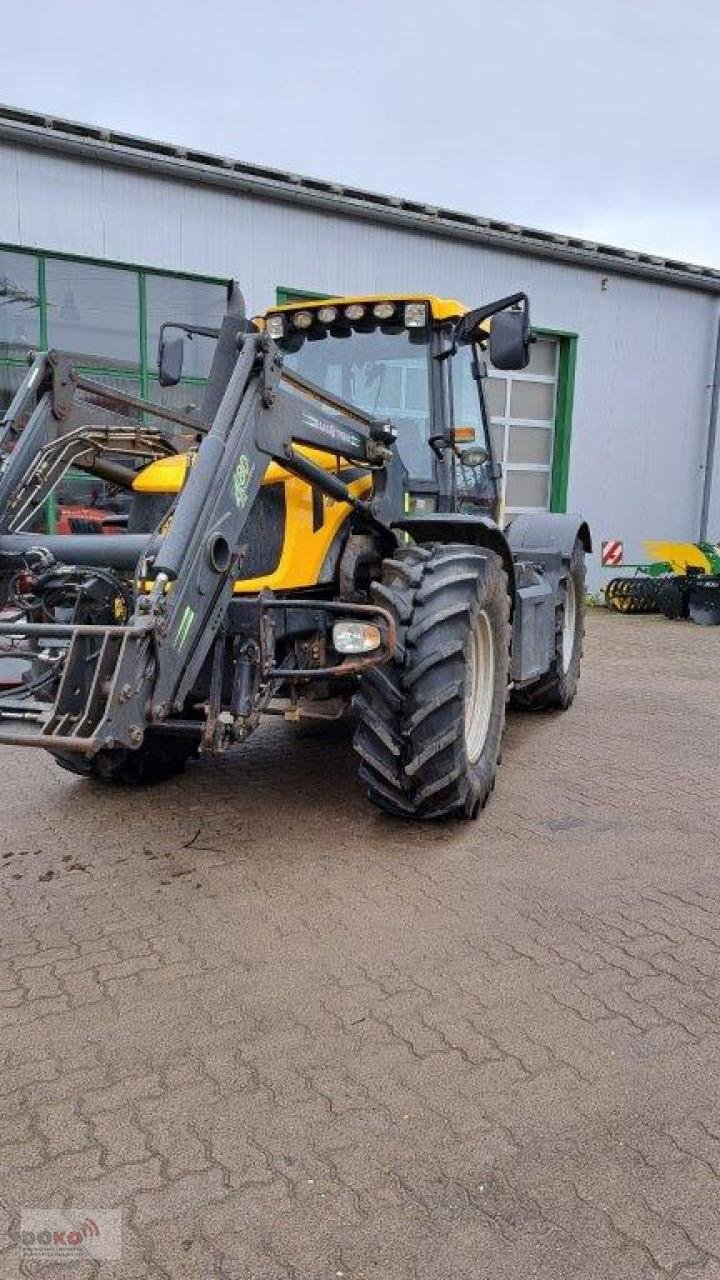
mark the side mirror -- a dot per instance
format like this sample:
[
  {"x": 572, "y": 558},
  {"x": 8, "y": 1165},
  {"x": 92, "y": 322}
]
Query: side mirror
[
  {"x": 510, "y": 336},
  {"x": 170, "y": 361},
  {"x": 509, "y": 345}
]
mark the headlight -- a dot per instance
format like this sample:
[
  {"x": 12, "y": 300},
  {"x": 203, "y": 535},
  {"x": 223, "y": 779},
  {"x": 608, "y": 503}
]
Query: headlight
[
  {"x": 384, "y": 310},
  {"x": 303, "y": 319},
  {"x": 356, "y": 637},
  {"x": 355, "y": 311},
  {"x": 327, "y": 315},
  {"x": 415, "y": 315},
  {"x": 275, "y": 326}
]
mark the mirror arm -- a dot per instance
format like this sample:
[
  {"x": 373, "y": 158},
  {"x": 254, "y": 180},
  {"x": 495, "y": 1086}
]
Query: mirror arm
[
  {"x": 492, "y": 308},
  {"x": 439, "y": 444},
  {"x": 478, "y": 314},
  {"x": 202, "y": 330}
]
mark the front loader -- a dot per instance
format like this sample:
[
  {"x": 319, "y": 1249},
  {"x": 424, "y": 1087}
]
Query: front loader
[{"x": 325, "y": 534}]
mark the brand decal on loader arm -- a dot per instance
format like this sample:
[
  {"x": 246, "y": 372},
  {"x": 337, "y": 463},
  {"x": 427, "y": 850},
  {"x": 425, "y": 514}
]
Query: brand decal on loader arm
[
  {"x": 241, "y": 479},
  {"x": 329, "y": 429}
]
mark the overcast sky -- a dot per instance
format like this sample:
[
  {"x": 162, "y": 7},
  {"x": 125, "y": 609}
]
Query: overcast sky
[{"x": 594, "y": 117}]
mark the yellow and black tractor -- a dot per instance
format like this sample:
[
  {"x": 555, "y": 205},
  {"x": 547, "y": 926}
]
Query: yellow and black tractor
[{"x": 324, "y": 534}]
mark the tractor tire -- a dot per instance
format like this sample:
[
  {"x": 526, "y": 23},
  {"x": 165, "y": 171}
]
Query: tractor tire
[
  {"x": 557, "y": 688},
  {"x": 155, "y": 761},
  {"x": 431, "y": 721}
]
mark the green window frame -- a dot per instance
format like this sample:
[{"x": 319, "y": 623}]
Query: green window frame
[
  {"x": 567, "y": 363},
  {"x": 285, "y": 294},
  {"x": 145, "y": 367},
  {"x": 139, "y": 374}
]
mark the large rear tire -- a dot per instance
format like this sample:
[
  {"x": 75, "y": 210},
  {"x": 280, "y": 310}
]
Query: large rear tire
[
  {"x": 157, "y": 760},
  {"x": 431, "y": 721},
  {"x": 558, "y": 687}
]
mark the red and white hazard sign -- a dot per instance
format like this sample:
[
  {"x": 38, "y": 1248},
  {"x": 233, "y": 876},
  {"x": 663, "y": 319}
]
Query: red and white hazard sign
[{"x": 612, "y": 552}]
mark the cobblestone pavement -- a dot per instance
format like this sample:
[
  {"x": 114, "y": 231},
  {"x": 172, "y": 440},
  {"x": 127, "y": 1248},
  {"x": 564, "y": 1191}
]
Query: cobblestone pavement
[{"x": 296, "y": 1040}]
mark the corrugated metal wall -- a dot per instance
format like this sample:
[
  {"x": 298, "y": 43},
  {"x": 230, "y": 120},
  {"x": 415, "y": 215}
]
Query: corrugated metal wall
[{"x": 645, "y": 354}]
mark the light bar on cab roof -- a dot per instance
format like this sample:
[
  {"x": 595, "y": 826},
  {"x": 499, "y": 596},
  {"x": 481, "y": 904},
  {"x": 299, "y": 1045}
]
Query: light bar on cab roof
[
  {"x": 415, "y": 315},
  {"x": 303, "y": 319}
]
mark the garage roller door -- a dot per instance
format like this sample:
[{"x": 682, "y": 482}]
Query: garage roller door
[{"x": 522, "y": 406}]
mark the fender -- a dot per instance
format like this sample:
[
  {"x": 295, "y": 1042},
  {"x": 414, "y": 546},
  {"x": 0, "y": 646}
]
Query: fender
[
  {"x": 459, "y": 526},
  {"x": 538, "y": 534}
]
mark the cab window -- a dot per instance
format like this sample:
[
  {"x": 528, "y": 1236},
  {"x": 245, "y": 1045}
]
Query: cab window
[
  {"x": 475, "y": 484},
  {"x": 385, "y": 374}
]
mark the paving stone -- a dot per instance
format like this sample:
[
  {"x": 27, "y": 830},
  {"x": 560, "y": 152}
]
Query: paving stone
[{"x": 363, "y": 1049}]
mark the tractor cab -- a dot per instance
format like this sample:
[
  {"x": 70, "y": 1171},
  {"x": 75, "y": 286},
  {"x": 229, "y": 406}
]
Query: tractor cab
[
  {"x": 413, "y": 361},
  {"x": 418, "y": 361}
]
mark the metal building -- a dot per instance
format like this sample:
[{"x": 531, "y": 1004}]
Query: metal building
[{"x": 103, "y": 236}]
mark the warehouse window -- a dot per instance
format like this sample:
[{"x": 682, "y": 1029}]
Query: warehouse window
[
  {"x": 92, "y": 312},
  {"x": 108, "y": 316},
  {"x": 171, "y": 299},
  {"x": 19, "y": 304}
]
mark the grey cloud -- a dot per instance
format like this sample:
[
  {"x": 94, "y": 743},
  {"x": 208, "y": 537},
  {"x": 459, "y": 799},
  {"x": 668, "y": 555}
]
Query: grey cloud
[{"x": 598, "y": 119}]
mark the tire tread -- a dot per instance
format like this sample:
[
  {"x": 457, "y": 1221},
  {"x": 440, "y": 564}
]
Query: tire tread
[{"x": 411, "y": 737}]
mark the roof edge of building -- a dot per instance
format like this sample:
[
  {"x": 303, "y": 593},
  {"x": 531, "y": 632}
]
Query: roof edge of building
[{"x": 91, "y": 142}]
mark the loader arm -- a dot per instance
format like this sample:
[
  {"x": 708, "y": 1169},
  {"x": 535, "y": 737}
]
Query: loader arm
[
  {"x": 53, "y": 423},
  {"x": 262, "y": 415},
  {"x": 118, "y": 680}
]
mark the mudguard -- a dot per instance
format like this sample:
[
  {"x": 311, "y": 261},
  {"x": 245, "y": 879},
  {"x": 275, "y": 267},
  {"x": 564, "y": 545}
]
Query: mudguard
[
  {"x": 542, "y": 544},
  {"x": 535, "y": 550},
  {"x": 536, "y": 534},
  {"x": 461, "y": 527}
]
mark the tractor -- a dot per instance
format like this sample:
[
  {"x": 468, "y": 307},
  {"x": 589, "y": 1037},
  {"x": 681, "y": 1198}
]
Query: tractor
[{"x": 323, "y": 539}]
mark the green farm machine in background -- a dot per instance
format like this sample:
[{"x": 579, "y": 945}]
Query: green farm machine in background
[{"x": 681, "y": 580}]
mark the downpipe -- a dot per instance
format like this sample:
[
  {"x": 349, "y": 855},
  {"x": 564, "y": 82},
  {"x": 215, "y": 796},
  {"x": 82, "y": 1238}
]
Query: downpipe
[{"x": 711, "y": 442}]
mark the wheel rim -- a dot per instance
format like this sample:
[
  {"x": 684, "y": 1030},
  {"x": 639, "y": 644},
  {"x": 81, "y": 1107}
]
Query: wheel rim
[
  {"x": 569, "y": 620},
  {"x": 479, "y": 684}
]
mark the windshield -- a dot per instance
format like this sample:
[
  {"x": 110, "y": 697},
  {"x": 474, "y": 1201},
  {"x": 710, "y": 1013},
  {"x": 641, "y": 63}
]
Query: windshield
[{"x": 384, "y": 374}]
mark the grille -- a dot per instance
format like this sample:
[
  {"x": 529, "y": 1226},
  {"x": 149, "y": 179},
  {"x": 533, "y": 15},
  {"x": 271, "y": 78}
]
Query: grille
[{"x": 265, "y": 532}]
